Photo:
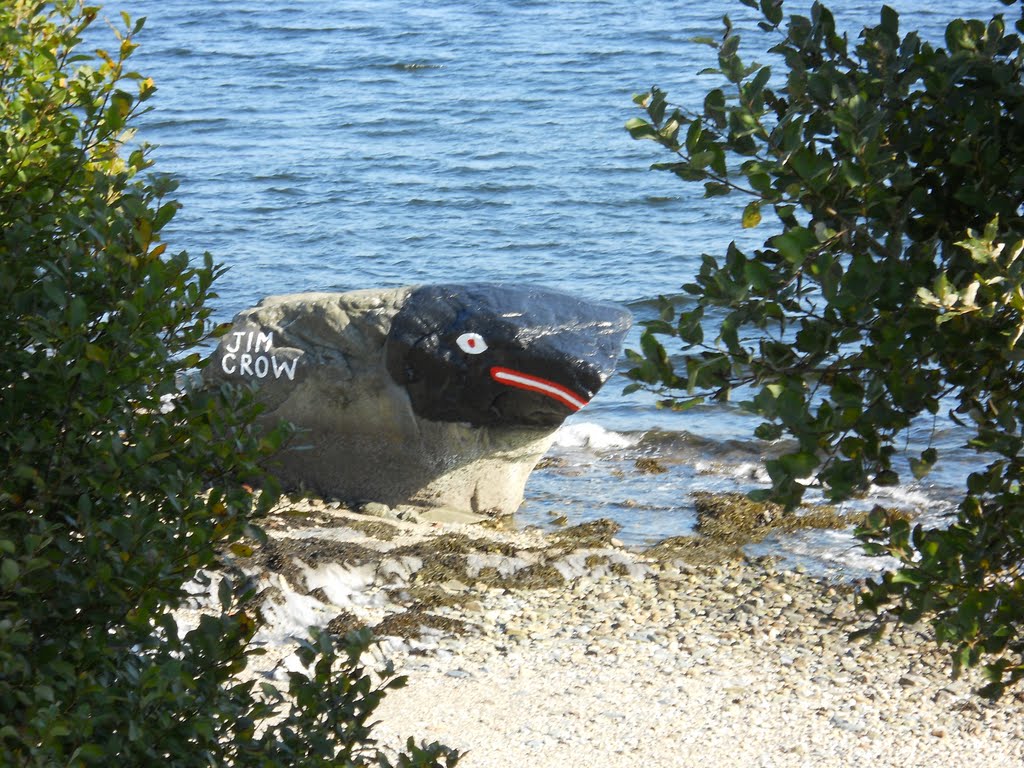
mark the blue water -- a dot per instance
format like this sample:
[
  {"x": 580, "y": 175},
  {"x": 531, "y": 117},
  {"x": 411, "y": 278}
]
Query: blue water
[{"x": 334, "y": 145}]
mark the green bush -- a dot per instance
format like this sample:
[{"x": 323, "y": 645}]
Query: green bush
[
  {"x": 890, "y": 173},
  {"x": 119, "y": 484}
]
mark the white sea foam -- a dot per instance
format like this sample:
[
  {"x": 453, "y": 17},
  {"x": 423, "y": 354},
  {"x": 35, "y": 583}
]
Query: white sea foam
[
  {"x": 827, "y": 553},
  {"x": 593, "y": 436},
  {"x": 907, "y": 497},
  {"x": 747, "y": 471}
]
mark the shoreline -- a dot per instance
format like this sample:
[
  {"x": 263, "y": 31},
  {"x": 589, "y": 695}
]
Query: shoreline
[
  {"x": 548, "y": 652},
  {"x": 734, "y": 668}
]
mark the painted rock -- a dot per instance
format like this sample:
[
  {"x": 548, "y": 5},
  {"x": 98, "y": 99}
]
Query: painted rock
[{"x": 435, "y": 396}]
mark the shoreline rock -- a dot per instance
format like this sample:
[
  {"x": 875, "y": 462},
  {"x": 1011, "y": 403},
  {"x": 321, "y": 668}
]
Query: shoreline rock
[{"x": 441, "y": 396}]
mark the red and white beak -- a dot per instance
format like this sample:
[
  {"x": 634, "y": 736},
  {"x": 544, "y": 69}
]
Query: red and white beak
[{"x": 563, "y": 395}]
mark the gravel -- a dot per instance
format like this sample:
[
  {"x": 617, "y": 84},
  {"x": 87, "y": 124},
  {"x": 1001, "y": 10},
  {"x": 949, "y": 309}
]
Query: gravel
[
  {"x": 708, "y": 668},
  {"x": 652, "y": 664}
]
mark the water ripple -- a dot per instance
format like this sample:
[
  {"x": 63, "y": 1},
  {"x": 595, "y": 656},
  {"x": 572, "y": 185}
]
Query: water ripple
[{"x": 338, "y": 144}]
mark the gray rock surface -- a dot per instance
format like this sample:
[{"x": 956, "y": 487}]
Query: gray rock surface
[{"x": 320, "y": 361}]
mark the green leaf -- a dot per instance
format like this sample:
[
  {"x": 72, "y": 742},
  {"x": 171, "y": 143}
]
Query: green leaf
[
  {"x": 666, "y": 309},
  {"x": 920, "y": 468},
  {"x": 714, "y": 111},
  {"x": 906, "y": 577},
  {"x": 681, "y": 406},
  {"x": 702, "y": 159},
  {"x": 9, "y": 572},
  {"x": 97, "y": 354},
  {"x": 886, "y": 478},
  {"x": 772, "y": 10},
  {"x": 716, "y": 189},
  {"x": 77, "y": 312},
  {"x": 660, "y": 326},
  {"x": 890, "y": 21},
  {"x": 690, "y": 327},
  {"x": 640, "y": 129},
  {"x": 693, "y": 136},
  {"x": 241, "y": 550},
  {"x": 768, "y": 431},
  {"x": 879, "y": 302},
  {"x": 759, "y": 276},
  {"x": 752, "y": 214},
  {"x": 755, "y": 86},
  {"x": 799, "y": 465},
  {"x": 795, "y": 245}
]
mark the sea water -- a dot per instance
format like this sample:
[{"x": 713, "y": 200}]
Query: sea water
[{"x": 330, "y": 145}]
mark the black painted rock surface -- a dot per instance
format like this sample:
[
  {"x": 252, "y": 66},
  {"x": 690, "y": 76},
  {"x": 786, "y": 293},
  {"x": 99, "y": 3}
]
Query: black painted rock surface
[
  {"x": 502, "y": 356},
  {"x": 442, "y": 396}
]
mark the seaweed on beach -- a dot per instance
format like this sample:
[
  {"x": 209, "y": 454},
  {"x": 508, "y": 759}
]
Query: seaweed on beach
[
  {"x": 412, "y": 623},
  {"x": 453, "y": 544},
  {"x": 280, "y": 556},
  {"x": 311, "y": 510},
  {"x": 343, "y": 623},
  {"x": 595, "y": 534},
  {"x": 734, "y": 519},
  {"x": 426, "y": 596},
  {"x": 529, "y": 577},
  {"x": 455, "y": 567},
  {"x": 374, "y": 529},
  {"x": 441, "y": 569},
  {"x": 694, "y": 550}
]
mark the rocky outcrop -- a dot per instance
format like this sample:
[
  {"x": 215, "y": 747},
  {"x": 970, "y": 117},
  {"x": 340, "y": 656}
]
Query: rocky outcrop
[{"x": 439, "y": 396}]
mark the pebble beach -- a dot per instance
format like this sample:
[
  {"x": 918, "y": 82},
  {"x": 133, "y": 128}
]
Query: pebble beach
[
  {"x": 525, "y": 648},
  {"x": 749, "y": 668}
]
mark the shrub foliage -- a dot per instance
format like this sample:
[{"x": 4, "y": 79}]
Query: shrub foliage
[
  {"x": 889, "y": 172},
  {"x": 118, "y": 487}
]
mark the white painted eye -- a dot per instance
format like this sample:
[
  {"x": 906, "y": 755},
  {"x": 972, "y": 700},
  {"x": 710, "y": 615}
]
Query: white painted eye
[{"x": 472, "y": 343}]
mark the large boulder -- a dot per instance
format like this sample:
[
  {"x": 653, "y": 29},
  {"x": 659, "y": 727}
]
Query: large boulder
[{"x": 437, "y": 396}]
